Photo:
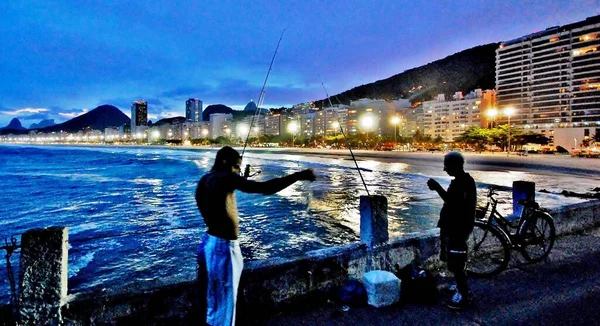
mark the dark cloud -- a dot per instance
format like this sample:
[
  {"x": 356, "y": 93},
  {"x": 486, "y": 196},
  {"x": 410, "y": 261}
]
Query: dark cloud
[{"x": 185, "y": 92}]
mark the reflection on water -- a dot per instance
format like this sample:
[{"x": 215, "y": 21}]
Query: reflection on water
[{"x": 130, "y": 190}]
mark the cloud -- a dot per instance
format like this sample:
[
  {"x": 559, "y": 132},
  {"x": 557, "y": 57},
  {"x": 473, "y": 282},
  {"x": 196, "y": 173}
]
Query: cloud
[
  {"x": 20, "y": 112},
  {"x": 37, "y": 116},
  {"x": 169, "y": 114},
  {"x": 70, "y": 114}
]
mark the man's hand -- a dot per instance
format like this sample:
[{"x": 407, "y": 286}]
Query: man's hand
[
  {"x": 307, "y": 175},
  {"x": 433, "y": 185}
]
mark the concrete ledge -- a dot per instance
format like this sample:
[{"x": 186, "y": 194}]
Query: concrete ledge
[
  {"x": 576, "y": 217},
  {"x": 274, "y": 283}
]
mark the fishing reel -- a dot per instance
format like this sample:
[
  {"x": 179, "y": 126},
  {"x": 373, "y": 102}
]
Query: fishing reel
[{"x": 248, "y": 172}]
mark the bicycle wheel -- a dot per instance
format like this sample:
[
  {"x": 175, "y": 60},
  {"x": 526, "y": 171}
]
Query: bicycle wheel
[
  {"x": 537, "y": 236},
  {"x": 489, "y": 251}
]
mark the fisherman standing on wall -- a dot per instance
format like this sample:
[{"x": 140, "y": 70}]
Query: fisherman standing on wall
[
  {"x": 220, "y": 260},
  {"x": 457, "y": 219}
]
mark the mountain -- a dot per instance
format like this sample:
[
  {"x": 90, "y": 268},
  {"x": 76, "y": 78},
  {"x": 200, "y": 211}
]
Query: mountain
[
  {"x": 462, "y": 71},
  {"x": 42, "y": 124},
  {"x": 99, "y": 118},
  {"x": 251, "y": 107},
  {"x": 215, "y": 108},
  {"x": 13, "y": 127},
  {"x": 14, "y": 124},
  {"x": 170, "y": 121}
]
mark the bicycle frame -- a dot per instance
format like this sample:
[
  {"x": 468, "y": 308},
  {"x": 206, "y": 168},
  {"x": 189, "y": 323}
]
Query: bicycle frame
[
  {"x": 508, "y": 227},
  {"x": 494, "y": 236}
]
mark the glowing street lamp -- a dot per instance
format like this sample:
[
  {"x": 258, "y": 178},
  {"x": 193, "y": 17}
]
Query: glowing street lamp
[
  {"x": 205, "y": 133},
  {"x": 292, "y": 128},
  {"x": 367, "y": 122},
  {"x": 242, "y": 131},
  {"x": 395, "y": 121},
  {"x": 155, "y": 134},
  {"x": 491, "y": 113},
  {"x": 335, "y": 126},
  {"x": 509, "y": 112}
]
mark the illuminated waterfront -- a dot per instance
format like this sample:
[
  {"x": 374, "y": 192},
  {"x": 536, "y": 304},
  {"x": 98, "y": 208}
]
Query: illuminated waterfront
[{"x": 104, "y": 192}]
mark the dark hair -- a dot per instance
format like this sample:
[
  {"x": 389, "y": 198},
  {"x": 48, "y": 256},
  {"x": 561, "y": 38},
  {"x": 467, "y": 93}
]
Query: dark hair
[{"x": 226, "y": 158}]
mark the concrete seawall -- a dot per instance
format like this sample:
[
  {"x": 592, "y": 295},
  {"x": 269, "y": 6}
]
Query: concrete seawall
[{"x": 275, "y": 283}]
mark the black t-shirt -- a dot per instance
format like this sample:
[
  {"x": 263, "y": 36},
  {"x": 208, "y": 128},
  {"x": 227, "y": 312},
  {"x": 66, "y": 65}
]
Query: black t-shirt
[{"x": 457, "y": 216}]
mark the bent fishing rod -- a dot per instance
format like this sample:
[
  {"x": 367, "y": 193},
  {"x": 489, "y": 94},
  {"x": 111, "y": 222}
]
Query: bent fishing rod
[
  {"x": 261, "y": 98},
  {"x": 345, "y": 139}
]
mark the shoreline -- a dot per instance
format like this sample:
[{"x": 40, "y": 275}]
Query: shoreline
[{"x": 536, "y": 162}]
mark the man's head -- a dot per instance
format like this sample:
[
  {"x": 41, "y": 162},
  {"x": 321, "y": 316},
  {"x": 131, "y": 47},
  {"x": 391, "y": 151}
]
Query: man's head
[
  {"x": 454, "y": 163},
  {"x": 228, "y": 160}
]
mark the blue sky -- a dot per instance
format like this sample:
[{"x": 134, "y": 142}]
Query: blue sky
[{"x": 59, "y": 59}]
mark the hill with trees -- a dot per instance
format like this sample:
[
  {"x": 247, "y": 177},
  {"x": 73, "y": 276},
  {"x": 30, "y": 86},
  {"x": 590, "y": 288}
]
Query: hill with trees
[{"x": 462, "y": 71}]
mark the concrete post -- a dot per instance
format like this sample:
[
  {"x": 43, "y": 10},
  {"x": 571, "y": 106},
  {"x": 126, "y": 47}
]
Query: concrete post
[
  {"x": 43, "y": 275},
  {"x": 373, "y": 220},
  {"x": 522, "y": 190}
]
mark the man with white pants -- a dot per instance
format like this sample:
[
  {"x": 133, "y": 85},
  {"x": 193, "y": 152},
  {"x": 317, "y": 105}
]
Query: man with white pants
[{"x": 220, "y": 260}]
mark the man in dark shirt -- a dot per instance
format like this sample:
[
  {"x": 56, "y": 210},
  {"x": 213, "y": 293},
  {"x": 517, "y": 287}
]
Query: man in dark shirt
[
  {"x": 457, "y": 219},
  {"x": 220, "y": 260}
]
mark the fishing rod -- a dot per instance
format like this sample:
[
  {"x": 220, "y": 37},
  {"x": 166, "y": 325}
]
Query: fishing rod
[
  {"x": 346, "y": 139},
  {"x": 261, "y": 98}
]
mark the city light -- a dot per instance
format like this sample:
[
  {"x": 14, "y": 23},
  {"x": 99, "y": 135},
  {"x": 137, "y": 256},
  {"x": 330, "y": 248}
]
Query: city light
[
  {"x": 242, "y": 130},
  {"x": 367, "y": 122},
  {"x": 292, "y": 128},
  {"x": 395, "y": 121},
  {"x": 491, "y": 113},
  {"x": 155, "y": 134}
]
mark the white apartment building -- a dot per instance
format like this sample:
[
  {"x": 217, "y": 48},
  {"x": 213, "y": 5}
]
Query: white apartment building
[
  {"x": 552, "y": 79},
  {"x": 411, "y": 121},
  {"x": 450, "y": 118},
  {"x": 196, "y": 130},
  {"x": 257, "y": 122},
  {"x": 220, "y": 124}
]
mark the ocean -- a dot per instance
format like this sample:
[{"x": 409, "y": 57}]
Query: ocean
[{"x": 133, "y": 220}]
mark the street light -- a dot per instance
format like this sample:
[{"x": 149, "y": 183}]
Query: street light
[
  {"x": 242, "y": 130},
  {"x": 336, "y": 126},
  {"x": 367, "y": 122},
  {"x": 395, "y": 120},
  {"x": 509, "y": 112},
  {"x": 491, "y": 113},
  {"x": 292, "y": 127}
]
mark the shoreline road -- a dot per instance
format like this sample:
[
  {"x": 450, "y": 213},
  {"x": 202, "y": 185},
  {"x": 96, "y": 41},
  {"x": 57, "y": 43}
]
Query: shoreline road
[
  {"x": 537, "y": 162},
  {"x": 564, "y": 290}
]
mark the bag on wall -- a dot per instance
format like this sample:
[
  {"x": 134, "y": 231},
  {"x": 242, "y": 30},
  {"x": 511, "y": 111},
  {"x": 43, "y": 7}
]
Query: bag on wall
[{"x": 353, "y": 293}]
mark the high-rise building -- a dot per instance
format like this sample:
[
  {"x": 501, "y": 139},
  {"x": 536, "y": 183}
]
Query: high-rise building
[
  {"x": 193, "y": 110},
  {"x": 551, "y": 78},
  {"x": 449, "y": 119},
  {"x": 139, "y": 116}
]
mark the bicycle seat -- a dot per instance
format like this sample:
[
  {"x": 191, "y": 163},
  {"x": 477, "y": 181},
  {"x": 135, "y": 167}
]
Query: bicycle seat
[{"x": 529, "y": 203}]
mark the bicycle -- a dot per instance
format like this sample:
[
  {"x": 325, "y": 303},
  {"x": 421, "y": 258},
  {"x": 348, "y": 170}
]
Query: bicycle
[{"x": 494, "y": 236}]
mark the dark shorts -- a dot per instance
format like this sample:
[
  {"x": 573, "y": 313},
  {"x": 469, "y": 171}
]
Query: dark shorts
[{"x": 453, "y": 250}]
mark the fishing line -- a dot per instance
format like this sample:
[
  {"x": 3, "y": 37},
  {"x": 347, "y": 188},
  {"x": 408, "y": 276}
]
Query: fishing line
[
  {"x": 346, "y": 139},
  {"x": 261, "y": 98}
]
